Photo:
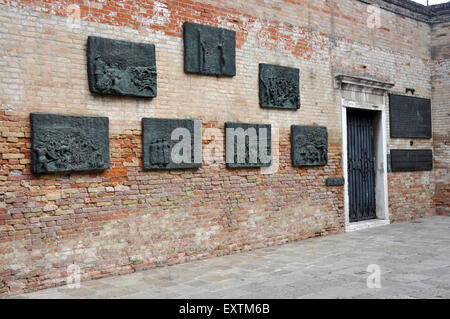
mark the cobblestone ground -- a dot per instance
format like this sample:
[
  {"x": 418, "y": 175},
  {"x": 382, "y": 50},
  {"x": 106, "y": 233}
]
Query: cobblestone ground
[{"x": 413, "y": 258}]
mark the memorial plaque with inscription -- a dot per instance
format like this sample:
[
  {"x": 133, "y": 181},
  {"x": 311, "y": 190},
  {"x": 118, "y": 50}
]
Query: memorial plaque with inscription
[
  {"x": 409, "y": 117},
  {"x": 278, "y": 87},
  {"x": 411, "y": 160},
  {"x": 309, "y": 145},
  {"x": 334, "y": 181},
  {"x": 121, "y": 68},
  {"x": 171, "y": 143},
  {"x": 209, "y": 50},
  {"x": 62, "y": 143},
  {"x": 248, "y": 145}
]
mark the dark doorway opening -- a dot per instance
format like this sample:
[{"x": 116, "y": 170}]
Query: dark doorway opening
[{"x": 361, "y": 164}]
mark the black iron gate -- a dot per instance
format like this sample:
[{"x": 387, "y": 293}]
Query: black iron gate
[{"x": 361, "y": 165}]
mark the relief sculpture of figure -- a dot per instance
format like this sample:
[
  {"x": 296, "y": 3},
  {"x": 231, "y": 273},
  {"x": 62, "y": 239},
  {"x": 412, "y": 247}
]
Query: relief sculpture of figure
[
  {"x": 162, "y": 136},
  {"x": 160, "y": 152},
  {"x": 209, "y": 50},
  {"x": 117, "y": 80},
  {"x": 211, "y": 55},
  {"x": 144, "y": 78},
  {"x": 43, "y": 158},
  {"x": 65, "y": 156},
  {"x": 309, "y": 145},
  {"x": 103, "y": 79},
  {"x": 65, "y": 149},
  {"x": 220, "y": 46},
  {"x": 108, "y": 78},
  {"x": 323, "y": 153},
  {"x": 308, "y": 152},
  {"x": 96, "y": 160},
  {"x": 121, "y": 68},
  {"x": 279, "y": 91},
  {"x": 204, "y": 53},
  {"x": 63, "y": 143},
  {"x": 278, "y": 86}
]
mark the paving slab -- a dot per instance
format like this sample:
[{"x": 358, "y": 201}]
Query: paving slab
[{"x": 413, "y": 259}]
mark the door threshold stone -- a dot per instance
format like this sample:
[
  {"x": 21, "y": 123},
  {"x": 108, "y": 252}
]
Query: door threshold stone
[{"x": 366, "y": 224}]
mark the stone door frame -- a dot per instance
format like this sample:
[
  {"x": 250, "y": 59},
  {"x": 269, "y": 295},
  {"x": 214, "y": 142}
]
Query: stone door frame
[{"x": 366, "y": 94}]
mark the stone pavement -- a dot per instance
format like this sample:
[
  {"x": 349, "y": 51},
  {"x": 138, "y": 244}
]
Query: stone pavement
[{"x": 414, "y": 260}]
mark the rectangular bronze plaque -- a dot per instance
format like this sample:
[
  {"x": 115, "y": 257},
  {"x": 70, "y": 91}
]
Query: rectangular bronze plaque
[
  {"x": 121, "y": 68},
  {"x": 171, "y": 143},
  {"x": 409, "y": 117},
  {"x": 279, "y": 87},
  {"x": 209, "y": 50},
  {"x": 62, "y": 143},
  {"x": 411, "y": 160},
  {"x": 248, "y": 145},
  {"x": 334, "y": 181},
  {"x": 309, "y": 145}
]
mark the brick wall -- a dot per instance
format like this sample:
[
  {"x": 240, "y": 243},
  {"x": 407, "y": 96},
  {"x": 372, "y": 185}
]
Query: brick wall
[
  {"x": 126, "y": 219},
  {"x": 440, "y": 52}
]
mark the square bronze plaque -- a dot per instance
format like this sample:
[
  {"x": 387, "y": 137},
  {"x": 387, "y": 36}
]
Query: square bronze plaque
[
  {"x": 209, "y": 50},
  {"x": 279, "y": 87},
  {"x": 409, "y": 117},
  {"x": 309, "y": 145},
  {"x": 248, "y": 145},
  {"x": 171, "y": 143}
]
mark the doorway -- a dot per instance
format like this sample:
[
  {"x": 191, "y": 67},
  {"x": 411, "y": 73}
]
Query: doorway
[
  {"x": 361, "y": 165},
  {"x": 364, "y": 100}
]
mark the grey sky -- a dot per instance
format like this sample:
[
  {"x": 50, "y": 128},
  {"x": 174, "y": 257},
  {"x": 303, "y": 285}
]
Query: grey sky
[{"x": 430, "y": 2}]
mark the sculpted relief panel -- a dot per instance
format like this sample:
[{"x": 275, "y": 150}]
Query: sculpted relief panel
[
  {"x": 248, "y": 145},
  {"x": 278, "y": 87},
  {"x": 209, "y": 50},
  {"x": 309, "y": 145},
  {"x": 171, "y": 143},
  {"x": 61, "y": 143},
  {"x": 121, "y": 68}
]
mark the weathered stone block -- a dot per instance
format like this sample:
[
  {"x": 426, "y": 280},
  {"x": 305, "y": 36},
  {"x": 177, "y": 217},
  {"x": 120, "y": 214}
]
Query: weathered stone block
[
  {"x": 279, "y": 87},
  {"x": 309, "y": 145},
  {"x": 61, "y": 143},
  {"x": 121, "y": 68},
  {"x": 248, "y": 145},
  {"x": 171, "y": 143},
  {"x": 209, "y": 50}
]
